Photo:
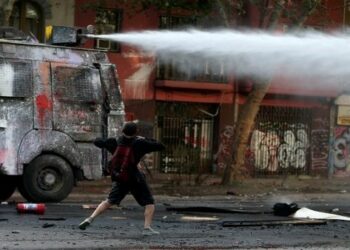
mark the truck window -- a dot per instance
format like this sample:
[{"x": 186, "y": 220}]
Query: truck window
[
  {"x": 77, "y": 101},
  {"x": 77, "y": 84},
  {"x": 16, "y": 79}
]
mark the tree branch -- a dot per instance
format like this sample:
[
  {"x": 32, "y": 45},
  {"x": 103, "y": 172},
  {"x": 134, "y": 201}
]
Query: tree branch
[
  {"x": 223, "y": 12},
  {"x": 276, "y": 13},
  {"x": 310, "y": 6}
]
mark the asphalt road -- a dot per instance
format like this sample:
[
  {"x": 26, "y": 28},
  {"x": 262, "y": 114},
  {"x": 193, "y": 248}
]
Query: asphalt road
[{"x": 120, "y": 228}]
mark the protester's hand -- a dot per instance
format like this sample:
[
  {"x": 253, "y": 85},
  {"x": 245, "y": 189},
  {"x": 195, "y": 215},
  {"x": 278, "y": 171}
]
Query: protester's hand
[
  {"x": 141, "y": 168},
  {"x": 105, "y": 172}
]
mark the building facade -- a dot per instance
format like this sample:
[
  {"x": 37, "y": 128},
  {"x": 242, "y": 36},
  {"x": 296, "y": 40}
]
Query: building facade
[{"x": 298, "y": 130}]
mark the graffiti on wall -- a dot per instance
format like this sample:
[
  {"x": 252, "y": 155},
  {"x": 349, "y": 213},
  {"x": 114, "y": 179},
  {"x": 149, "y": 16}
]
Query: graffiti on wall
[
  {"x": 280, "y": 150},
  {"x": 341, "y": 151},
  {"x": 224, "y": 150}
]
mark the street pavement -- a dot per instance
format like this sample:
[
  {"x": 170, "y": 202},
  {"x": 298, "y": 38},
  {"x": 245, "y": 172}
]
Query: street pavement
[{"x": 196, "y": 228}]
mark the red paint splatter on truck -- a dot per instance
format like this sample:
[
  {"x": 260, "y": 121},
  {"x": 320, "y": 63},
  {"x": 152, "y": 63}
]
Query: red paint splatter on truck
[{"x": 43, "y": 105}]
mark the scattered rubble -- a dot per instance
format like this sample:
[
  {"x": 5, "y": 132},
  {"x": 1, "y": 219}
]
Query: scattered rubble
[
  {"x": 52, "y": 218},
  {"x": 311, "y": 214},
  {"x": 272, "y": 223},
  {"x": 205, "y": 209}
]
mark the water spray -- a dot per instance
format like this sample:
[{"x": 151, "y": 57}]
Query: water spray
[{"x": 306, "y": 54}]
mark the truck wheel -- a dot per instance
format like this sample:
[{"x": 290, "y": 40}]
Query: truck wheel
[
  {"x": 7, "y": 186},
  {"x": 48, "y": 178}
]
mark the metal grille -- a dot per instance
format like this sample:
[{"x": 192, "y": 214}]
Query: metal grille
[
  {"x": 188, "y": 144},
  {"x": 280, "y": 142},
  {"x": 77, "y": 84}
]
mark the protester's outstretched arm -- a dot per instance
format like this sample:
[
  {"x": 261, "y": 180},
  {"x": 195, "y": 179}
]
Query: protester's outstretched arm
[
  {"x": 110, "y": 144},
  {"x": 151, "y": 145}
]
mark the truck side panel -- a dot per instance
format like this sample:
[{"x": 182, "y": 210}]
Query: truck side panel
[
  {"x": 42, "y": 95},
  {"x": 16, "y": 110},
  {"x": 43, "y": 141}
]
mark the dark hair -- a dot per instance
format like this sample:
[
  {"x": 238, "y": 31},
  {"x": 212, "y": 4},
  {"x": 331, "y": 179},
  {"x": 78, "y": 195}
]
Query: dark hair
[{"x": 130, "y": 129}]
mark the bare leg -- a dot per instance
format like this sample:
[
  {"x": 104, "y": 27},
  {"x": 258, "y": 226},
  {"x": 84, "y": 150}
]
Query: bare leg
[
  {"x": 104, "y": 205},
  {"x": 149, "y": 211}
]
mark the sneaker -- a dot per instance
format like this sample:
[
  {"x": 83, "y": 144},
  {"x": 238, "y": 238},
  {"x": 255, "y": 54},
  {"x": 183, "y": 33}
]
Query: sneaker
[
  {"x": 149, "y": 231},
  {"x": 85, "y": 223}
]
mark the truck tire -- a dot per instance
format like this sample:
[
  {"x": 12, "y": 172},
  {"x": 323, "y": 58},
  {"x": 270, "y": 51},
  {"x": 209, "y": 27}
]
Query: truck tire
[
  {"x": 7, "y": 186},
  {"x": 48, "y": 178}
]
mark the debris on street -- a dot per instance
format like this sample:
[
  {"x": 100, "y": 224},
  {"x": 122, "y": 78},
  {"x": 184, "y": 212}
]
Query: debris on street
[
  {"x": 199, "y": 218},
  {"x": 52, "y": 218},
  {"x": 94, "y": 206},
  {"x": 47, "y": 225},
  {"x": 272, "y": 223},
  {"x": 34, "y": 208},
  {"x": 205, "y": 209},
  {"x": 284, "y": 209},
  {"x": 311, "y": 214}
]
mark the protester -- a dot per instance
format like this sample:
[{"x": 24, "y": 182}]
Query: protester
[{"x": 127, "y": 152}]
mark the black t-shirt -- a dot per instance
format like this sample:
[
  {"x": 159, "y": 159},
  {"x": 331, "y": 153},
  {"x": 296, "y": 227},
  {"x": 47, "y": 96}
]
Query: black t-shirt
[{"x": 140, "y": 145}]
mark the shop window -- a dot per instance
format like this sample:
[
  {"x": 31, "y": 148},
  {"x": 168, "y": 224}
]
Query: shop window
[
  {"x": 108, "y": 21},
  {"x": 28, "y": 17}
]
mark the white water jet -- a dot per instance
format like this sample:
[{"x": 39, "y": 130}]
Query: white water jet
[{"x": 314, "y": 55}]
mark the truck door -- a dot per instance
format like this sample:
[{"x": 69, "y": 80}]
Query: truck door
[{"x": 77, "y": 110}]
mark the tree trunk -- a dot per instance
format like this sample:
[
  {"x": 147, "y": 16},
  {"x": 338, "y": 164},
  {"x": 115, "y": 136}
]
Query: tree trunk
[
  {"x": 246, "y": 119},
  {"x": 235, "y": 166}
]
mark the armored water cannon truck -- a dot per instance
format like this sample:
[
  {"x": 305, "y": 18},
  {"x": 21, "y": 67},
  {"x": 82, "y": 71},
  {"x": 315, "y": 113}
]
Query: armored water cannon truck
[{"x": 54, "y": 101}]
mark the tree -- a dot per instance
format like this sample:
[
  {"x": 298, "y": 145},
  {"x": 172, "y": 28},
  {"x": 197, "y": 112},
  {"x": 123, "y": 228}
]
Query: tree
[{"x": 295, "y": 15}]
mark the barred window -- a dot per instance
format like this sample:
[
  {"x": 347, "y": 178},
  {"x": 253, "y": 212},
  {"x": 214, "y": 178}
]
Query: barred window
[{"x": 108, "y": 21}]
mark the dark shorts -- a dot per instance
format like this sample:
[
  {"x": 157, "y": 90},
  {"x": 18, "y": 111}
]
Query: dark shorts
[{"x": 138, "y": 188}]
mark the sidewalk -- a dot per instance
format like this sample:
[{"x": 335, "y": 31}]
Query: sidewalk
[
  {"x": 291, "y": 189},
  {"x": 257, "y": 186},
  {"x": 302, "y": 186}
]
